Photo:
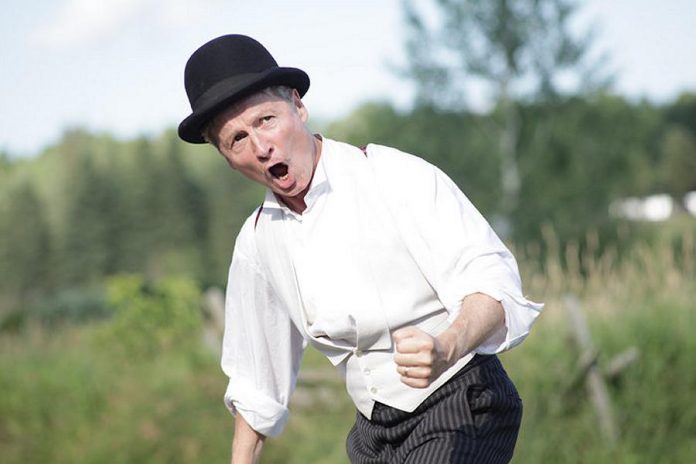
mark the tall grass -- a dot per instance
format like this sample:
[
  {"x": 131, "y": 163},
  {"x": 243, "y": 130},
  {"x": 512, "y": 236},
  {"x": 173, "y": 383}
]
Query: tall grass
[
  {"x": 67, "y": 397},
  {"x": 645, "y": 300}
]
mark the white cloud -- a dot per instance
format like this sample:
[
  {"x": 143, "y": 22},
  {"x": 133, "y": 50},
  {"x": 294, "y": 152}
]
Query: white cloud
[{"x": 78, "y": 21}]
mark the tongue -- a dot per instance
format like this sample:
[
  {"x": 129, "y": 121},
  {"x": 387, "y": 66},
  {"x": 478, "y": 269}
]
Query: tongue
[{"x": 279, "y": 170}]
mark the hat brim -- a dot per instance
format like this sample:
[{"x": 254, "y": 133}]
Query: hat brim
[{"x": 227, "y": 92}]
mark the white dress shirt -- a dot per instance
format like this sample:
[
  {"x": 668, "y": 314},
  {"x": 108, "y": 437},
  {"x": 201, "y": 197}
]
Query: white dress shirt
[{"x": 387, "y": 240}]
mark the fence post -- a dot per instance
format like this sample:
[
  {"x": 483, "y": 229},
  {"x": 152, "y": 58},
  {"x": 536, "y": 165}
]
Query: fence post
[
  {"x": 594, "y": 378},
  {"x": 214, "y": 324}
]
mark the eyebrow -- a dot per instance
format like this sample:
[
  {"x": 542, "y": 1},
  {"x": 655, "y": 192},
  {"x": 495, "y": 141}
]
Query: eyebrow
[{"x": 260, "y": 113}]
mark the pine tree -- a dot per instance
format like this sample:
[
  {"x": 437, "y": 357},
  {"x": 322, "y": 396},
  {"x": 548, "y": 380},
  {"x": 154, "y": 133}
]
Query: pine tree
[
  {"x": 25, "y": 251},
  {"x": 90, "y": 246}
]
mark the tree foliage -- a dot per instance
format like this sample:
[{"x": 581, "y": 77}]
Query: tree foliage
[
  {"x": 25, "y": 247},
  {"x": 577, "y": 155},
  {"x": 91, "y": 206},
  {"x": 516, "y": 48},
  {"x": 151, "y": 316},
  {"x": 91, "y": 236}
]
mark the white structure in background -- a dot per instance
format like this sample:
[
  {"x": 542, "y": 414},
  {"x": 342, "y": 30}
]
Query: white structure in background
[
  {"x": 690, "y": 203},
  {"x": 654, "y": 208}
]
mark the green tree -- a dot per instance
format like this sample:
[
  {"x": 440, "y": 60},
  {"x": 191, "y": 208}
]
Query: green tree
[
  {"x": 133, "y": 215},
  {"x": 151, "y": 316},
  {"x": 515, "y": 48},
  {"x": 592, "y": 151},
  {"x": 579, "y": 154},
  {"x": 91, "y": 241},
  {"x": 179, "y": 213},
  {"x": 678, "y": 147},
  {"x": 678, "y": 173},
  {"x": 230, "y": 199},
  {"x": 25, "y": 249},
  {"x": 682, "y": 112},
  {"x": 162, "y": 211}
]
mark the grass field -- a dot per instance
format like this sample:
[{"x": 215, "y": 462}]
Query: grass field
[{"x": 70, "y": 395}]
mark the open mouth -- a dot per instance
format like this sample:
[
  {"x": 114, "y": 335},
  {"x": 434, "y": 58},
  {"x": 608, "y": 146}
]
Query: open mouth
[{"x": 279, "y": 171}]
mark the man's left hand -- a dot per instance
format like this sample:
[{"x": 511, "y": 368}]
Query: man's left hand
[{"x": 420, "y": 357}]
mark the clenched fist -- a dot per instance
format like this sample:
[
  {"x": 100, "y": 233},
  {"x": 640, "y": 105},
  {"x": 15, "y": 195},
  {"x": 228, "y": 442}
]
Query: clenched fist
[{"x": 420, "y": 357}]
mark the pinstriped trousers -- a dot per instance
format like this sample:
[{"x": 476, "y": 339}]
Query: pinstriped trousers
[{"x": 473, "y": 418}]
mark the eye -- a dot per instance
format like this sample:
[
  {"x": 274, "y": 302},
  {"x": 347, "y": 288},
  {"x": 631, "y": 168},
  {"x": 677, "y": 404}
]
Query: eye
[
  {"x": 266, "y": 118},
  {"x": 232, "y": 141}
]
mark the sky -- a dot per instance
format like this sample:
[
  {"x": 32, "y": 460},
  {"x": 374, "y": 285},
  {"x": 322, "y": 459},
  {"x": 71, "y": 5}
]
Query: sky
[{"x": 117, "y": 65}]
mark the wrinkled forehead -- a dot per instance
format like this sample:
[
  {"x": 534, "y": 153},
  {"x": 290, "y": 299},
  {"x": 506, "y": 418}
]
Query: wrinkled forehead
[{"x": 246, "y": 107}]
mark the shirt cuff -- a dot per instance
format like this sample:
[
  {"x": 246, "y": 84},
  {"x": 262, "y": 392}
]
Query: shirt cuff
[
  {"x": 520, "y": 314},
  {"x": 263, "y": 414}
]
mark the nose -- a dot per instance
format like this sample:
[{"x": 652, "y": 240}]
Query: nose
[{"x": 263, "y": 147}]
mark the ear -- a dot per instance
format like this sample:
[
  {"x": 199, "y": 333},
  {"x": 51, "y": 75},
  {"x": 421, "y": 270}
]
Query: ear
[{"x": 299, "y": 106}]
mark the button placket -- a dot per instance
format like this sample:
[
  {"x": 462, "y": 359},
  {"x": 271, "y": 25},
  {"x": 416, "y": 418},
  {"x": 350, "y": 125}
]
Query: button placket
[
  {"x": 367, "y": 371},
  {"x": 296, "y": 251}
]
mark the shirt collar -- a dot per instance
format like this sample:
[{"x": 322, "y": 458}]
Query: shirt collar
[{"x": 318, "y": 186}]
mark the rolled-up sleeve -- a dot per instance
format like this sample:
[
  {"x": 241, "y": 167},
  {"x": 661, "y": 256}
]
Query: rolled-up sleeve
[
  {"x": 457, "y": 250},
  {"x": 262, "y": 348},
  {"x": 496, "y": 275},
  {"x": 470, "y": 258}
]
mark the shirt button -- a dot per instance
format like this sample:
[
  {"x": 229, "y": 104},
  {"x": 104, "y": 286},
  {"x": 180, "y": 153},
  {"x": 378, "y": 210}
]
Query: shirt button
[
  {"x": 367, "y": 371},
  {"x": 373, "y": 390}
]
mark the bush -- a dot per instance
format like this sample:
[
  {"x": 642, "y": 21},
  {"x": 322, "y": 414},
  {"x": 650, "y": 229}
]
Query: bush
[
  {"x": 68, "y": 306},
  {"x": 72, "y": 306},
  {"x": 150, "y": 317}
]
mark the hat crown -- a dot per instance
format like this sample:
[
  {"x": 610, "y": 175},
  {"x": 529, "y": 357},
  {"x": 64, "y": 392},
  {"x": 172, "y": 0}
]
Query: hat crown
[
  {"x": 226, "y": 70},
  {"x": 223, "y": 58}
]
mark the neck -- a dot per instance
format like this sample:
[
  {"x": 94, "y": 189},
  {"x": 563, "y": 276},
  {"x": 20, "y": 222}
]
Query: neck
[{"x": 297, "y": 203}]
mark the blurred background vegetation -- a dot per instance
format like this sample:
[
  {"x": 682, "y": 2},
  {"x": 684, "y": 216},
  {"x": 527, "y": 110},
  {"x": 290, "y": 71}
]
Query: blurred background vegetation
[{"x": 107, "y": 245}]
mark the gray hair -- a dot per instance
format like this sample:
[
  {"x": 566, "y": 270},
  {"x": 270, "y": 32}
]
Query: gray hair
[{"x": 281, "y": 91}]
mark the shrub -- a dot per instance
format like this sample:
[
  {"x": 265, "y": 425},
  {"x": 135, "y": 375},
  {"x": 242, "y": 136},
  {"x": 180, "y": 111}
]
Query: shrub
[
  {"x": 150, "y": 317},
  {"x": 71, "y": 306}
]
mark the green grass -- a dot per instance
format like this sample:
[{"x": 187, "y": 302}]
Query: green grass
[
  {"x": 64, "y": 401},
  {"x": 652, "y": 400},
  {"x": 67, "y": 397}
]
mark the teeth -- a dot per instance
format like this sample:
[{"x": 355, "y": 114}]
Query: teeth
[{"x": 284, "y": 177}]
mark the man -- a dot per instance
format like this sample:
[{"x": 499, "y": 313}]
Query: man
[{"x": 373, "y": 256}]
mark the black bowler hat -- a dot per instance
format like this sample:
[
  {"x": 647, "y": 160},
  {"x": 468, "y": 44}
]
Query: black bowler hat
[{"x": 224, "y": 71}]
